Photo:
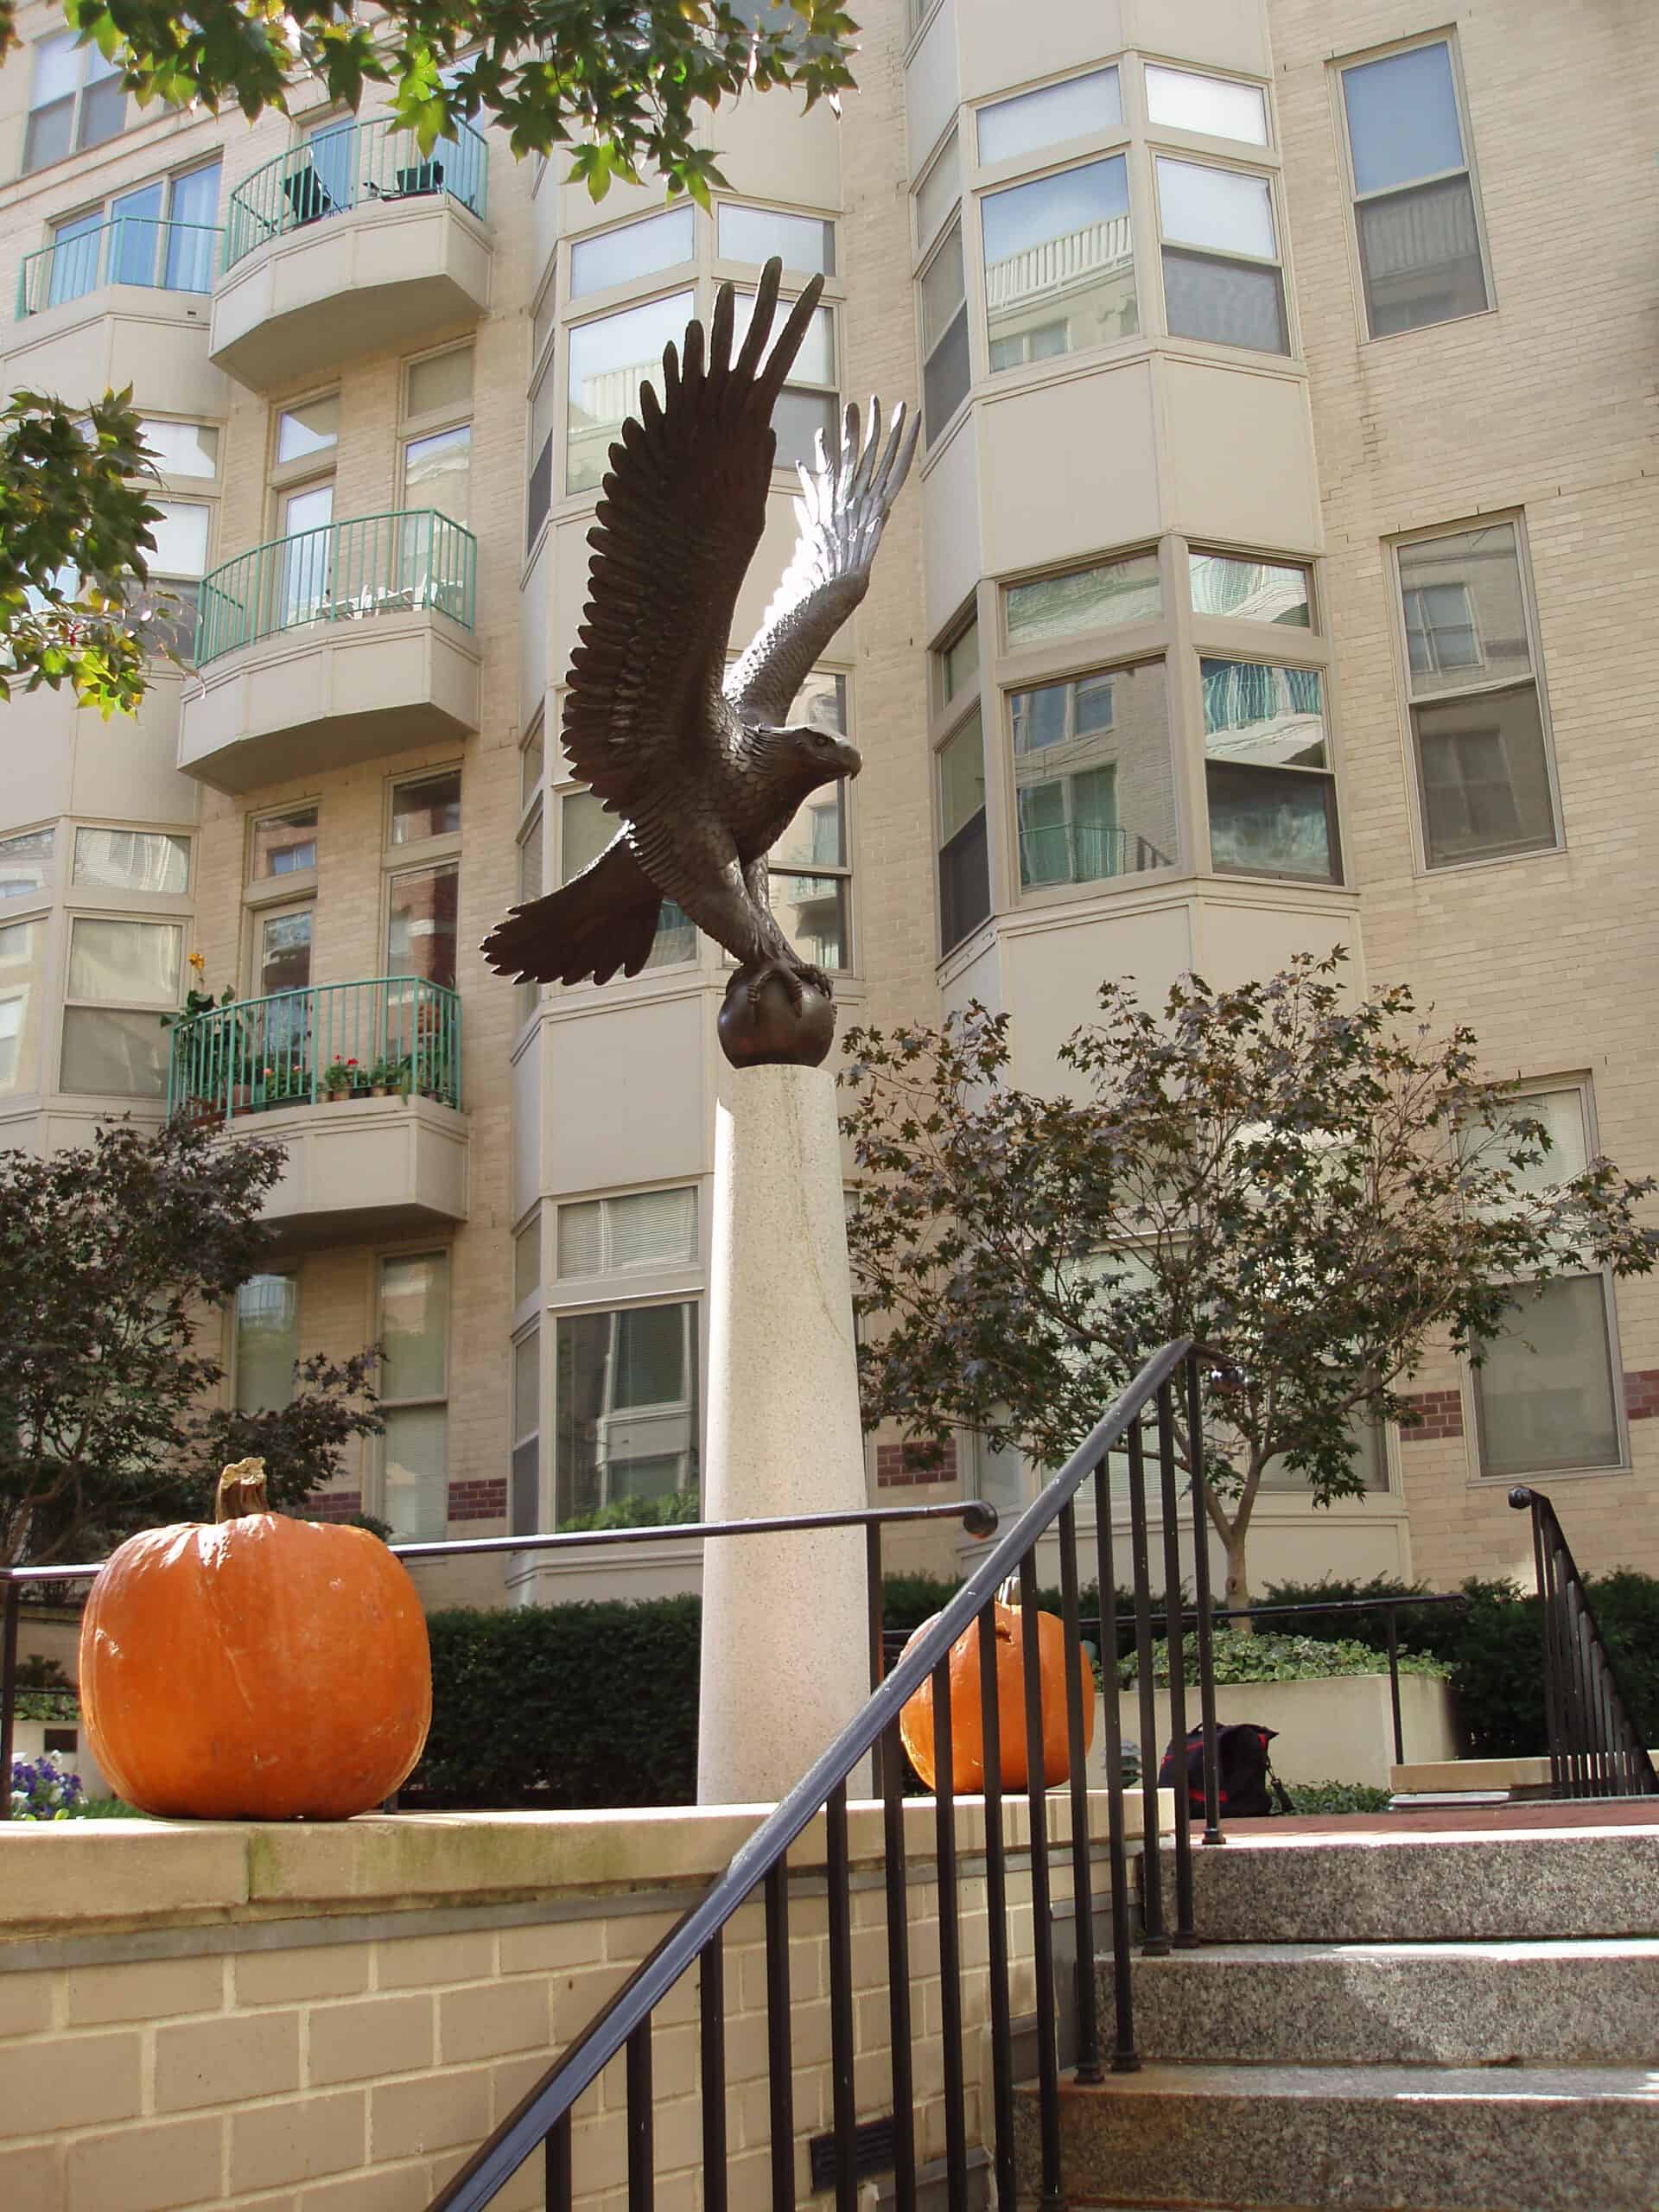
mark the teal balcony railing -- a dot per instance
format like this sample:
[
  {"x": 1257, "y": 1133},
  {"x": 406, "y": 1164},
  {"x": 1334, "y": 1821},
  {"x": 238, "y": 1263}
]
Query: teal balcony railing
[
  {"x": 343, "y": 572},
  {"x": 127, "y": 250},
  {"x": 353, "y": 165},
  {"x": 395, "y": 1034}
]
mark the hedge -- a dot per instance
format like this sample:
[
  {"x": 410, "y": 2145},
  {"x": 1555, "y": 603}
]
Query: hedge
[{"x": 1262, "y": 1658}]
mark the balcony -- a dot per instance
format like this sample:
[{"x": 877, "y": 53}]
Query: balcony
[
  {"x": 360, "y": 1081},
  {"x": 330, "y": 646},
  {"x": 356, "y": 210},
  {"x": 125, "y": 303}
]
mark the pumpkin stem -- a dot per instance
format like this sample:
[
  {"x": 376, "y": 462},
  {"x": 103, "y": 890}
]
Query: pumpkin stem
[{"x": 241, "y": 1490}]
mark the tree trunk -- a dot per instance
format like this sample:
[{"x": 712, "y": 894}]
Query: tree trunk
[{"x": 1238, "y": 1588}]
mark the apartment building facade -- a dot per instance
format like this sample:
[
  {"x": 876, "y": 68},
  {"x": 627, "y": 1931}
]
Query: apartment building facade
[{"x": 1272, "y": 576}]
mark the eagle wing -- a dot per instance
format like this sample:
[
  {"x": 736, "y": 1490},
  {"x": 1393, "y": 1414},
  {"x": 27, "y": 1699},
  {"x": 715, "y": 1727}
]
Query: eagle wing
[
  {"x": 843, "y": 505},
  {"x": 678, "y": 523}
]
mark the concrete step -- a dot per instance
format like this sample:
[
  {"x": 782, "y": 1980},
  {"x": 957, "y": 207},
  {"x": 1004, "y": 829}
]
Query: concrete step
[
  {"x": 1424, "y": 1886},
  {"x": 1376, "y": 2137},
  {"x": 1588, "y": 2001}
]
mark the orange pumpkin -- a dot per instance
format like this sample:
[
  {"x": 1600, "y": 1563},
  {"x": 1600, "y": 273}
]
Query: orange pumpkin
[
  {"x": 260, "y": 1669},
  {"x": 966, "y": 1732}
]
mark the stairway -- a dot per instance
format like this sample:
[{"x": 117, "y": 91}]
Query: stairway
[{"x": 1464, "y": 2022}]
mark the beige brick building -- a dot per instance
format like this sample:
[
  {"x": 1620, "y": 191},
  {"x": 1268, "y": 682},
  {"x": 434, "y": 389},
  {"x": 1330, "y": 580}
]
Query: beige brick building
[{"x": 1275, "y": 574}]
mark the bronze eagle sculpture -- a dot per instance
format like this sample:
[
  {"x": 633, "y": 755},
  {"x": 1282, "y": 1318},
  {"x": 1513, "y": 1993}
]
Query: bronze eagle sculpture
[{"x": 698, "y": 760}]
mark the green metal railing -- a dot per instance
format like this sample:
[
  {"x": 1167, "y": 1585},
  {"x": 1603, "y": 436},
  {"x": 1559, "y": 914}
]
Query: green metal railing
[
  {"x": 343, "y": 572},
  {"x": 397, "y": 1034},
  {"x": 353, "y": 165},
  {"x": 127, "y": 250}
]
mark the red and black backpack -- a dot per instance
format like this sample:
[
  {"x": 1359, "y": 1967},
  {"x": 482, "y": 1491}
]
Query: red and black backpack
[{"x": 1242, "y": 1767}]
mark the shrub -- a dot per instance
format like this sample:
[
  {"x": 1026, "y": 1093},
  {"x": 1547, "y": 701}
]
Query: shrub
[
  {"x": 564, "y": 1707},
  {"x": 1240, "y": 1658},
  {"x": 1433, "y": 1628},
  {"x": 1338, "y": 1797}
]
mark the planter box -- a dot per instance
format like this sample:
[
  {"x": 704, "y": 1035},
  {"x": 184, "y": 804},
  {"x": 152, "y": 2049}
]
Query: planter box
[
  {"x": 68, "y": 1739},
  {"x": 1338, "y": 1730}
]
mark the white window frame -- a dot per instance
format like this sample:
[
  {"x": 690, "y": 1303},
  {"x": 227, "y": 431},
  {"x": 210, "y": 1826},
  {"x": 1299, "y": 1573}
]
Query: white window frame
[
  {"x": 1278, "y": 261},
  {"x": 84, "y": 79}
]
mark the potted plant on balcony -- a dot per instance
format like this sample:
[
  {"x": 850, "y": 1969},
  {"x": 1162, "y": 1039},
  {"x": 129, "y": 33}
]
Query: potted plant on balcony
[
  {"x": 341, "y": 1079},
  {"x": 207, "y": 1060},
  {"x": 436, "y": 1070},
  {"x": 390, "y": 1074}
]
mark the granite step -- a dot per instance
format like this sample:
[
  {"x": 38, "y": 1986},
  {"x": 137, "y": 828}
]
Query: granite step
[
  {"x": 1584, "y": 2001},
  {"x": 1373, "y": 2139},
  {"x": 1425, "y": 1887}
]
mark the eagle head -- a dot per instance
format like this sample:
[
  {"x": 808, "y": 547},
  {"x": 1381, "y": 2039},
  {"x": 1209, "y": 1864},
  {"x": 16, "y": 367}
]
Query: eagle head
[{"x": 820, "y": 754}]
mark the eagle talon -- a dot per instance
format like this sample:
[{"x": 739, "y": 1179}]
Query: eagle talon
[{"x": 794, "y": 981}]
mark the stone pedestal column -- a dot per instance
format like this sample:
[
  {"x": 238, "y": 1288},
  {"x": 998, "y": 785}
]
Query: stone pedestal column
[{"x": 785, "y": 1636}]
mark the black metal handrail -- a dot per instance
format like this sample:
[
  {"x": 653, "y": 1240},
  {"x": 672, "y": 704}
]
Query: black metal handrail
[
  {"x": 541, "y": 2121},
  {"x": 1595, "y": 1747},
  {"x": 978, "y": 1517}
]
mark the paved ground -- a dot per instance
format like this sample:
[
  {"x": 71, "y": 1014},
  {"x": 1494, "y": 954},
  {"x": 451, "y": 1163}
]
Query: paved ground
[{"x": 1453, "y": 1820}]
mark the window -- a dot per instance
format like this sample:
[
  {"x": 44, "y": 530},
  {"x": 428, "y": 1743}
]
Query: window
[
  {"x": 304, "y": 431},
  {"x": 161, "y": 234},
  {"x": 527, "y": 1259},
  {"x": 78, "y": 100},
  {"x": 182, "y": 448},
  {"x": 1420, "y": 250},
  {"x": 945, "y": 372},
  {"x": 26, "y": 864},
  {"x": 959, "y": 664},
  {"x": 1221, "y": 250},
  {"x": 438, "y": 465},
  {"x": 22, "y": 944},
  {"x": 938, "y": 192},
  {"x": 117, "y": 968},
  {"x": 810, "y": 880},
  {"x": 1059, "y": 265},
  {"x": 644, "y": 1229},
  {"x": 1273, "y": 808},
  {"x": 532, "y": 762},
  {"x": 809, "y": 406},
  {"x": 539, "y": 495},
  {"x": 610, "y": 359},
  {"x": 585, "y": 829},
  {"x": 1181, "y": 99},
  {"x": 442, "y": 384},
  {"x": 413, "y": 1393},
  {"x": 1250, "y": 591},
  {"x": 626, "y": 1415},
  {"x": 1093, "y": 777},
  {"x": 532, "y": 882},
  {"x": 421, "y": 913},
  {"x": 131, "y": 860},
  {"x": 1546, "y": 1390},
  {"x": 1100, "y": 598},
  {"x": 1034, "y": 121},
  {"x": 1477, "y": 714},
  {"x": 632, "y": 250},
  {"x": 806, "y": 243},
  {"x": 283, "y": 844},
  {"x": 267, "y": 1342},
  {"x": 524, "y": 1501},
  {"x": 283, "y": 953},
  {"x": 428, "y": 806},
  {"x": 964, "y": 851},
  {"x": 1370, "y": 1461},
  {"x": 176, "y": 568}
]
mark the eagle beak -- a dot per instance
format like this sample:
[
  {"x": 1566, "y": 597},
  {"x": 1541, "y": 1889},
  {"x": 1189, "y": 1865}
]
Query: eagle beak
[{"x": 851, "y": 759}]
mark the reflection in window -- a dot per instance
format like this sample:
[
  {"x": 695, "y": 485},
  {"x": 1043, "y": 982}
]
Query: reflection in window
[
  {"x": 807, "y": 406},
  {"x": 1250, "y": 591},
  {"x": 959, "y": 663},
  {"x": 808, "y": 883},
  {"x": 938, "y": 192},
  {"x": 585, "y": 832},
  {"x": 442, "y": 384},
  {"x": 132, "y": 860},
  {"x": 181, "y": 448},
  {"x": 1031, "y": 121},
  {"x": 524, "y": 1499},
  {"x": 1271, "y": 800},
  {"x": 1093, "y": 778},
  {"x": 965, "y": 853},
  {"x": 1477, "y": 721},
  {"x": 428, "y": 806},
  {"x": 804, "y": 242},
  {"x": 610, "y": 359},
  {"x": 284, "y": 843},
  {"x": 413, "y": 1388},
  {"x": 1059, "y": 265},
  {"x": 1099, "y": 598},
  {"x": 176, "y": 568},
  {"x": 22, "y": 944},
  {"x": 1221, "y": 250},
  {"x": 1419, "y": 238},
  {"x": 1181, "y": 99},
  {"x": 1370, "y": 1462},
  {"x": 311, "y": 428},
  {"x": 421, "y": 923},
  {"x": 945, "y": 372},
  {"x": 25, "y": 864},
  {"x": 110, "y": 1048},
  {"x": 626, "y": 1416},
  {"x": 77, "y": 100},
  {"x": 632, "y": 250}
]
